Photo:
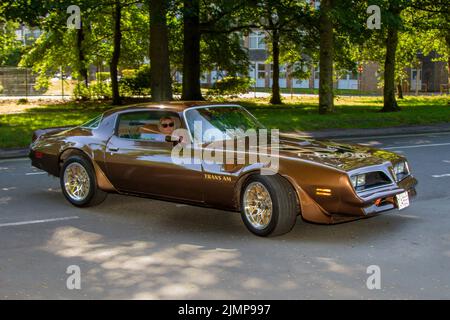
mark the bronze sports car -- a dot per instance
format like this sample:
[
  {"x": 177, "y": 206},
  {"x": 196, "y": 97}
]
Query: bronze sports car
[{"x": 131, "y": 151}]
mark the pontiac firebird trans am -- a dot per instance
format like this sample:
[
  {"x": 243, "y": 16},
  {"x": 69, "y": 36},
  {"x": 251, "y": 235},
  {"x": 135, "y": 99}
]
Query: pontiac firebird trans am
[{"x": 124, "y": 151}]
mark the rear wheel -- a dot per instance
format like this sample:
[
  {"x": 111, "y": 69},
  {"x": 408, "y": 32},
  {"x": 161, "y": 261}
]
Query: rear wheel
[
  {"x": 269, "y": 205},
  {"x": 78, "y": 183}
]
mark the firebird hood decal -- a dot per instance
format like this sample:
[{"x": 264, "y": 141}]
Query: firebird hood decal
[
  {"x": 341, "y": 156},
  {"x": 338, "y": 155}
]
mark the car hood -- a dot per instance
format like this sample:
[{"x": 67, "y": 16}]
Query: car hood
[{"x": 341, "y": 156}]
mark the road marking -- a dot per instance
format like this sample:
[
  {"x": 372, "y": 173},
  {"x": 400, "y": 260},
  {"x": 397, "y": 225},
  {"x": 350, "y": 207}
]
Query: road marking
[
  {"x": 10, "y": 188},
  {"x": 419, "y": 146},
  {"x": 441, "y": 175},
  {"x": 226, "y": 250},
  {"x": 37, "y": 221},
  {"x": 34, "y": 173}
]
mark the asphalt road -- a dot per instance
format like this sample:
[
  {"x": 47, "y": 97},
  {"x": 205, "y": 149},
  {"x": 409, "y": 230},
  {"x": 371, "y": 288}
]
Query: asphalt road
[{"x": 133, "y": 248}]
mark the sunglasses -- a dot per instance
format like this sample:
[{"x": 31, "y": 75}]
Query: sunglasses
[{"x": 165, "y": 125}]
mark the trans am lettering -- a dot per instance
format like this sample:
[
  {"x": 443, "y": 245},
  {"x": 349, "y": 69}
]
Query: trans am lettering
[{"x": 217, "y": 178}]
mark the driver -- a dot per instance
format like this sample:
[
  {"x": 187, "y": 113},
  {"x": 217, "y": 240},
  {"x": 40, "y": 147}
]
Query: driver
[{"x": 166, "y": 126}]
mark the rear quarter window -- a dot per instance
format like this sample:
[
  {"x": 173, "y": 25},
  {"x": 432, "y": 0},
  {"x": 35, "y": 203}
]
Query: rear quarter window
[{"x": 93, "y": 123}]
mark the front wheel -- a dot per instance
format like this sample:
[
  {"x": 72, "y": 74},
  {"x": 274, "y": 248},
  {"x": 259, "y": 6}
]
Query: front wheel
[
  {"x": 269, "y": 205},
  {"x": 78, "y": 183}
]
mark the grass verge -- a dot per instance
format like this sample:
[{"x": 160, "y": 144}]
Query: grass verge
[{"x": 299, "y": 113}]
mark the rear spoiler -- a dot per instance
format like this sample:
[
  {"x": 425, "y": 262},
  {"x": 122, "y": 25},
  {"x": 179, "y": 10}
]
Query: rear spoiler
[{"x": 38, "y": 133}]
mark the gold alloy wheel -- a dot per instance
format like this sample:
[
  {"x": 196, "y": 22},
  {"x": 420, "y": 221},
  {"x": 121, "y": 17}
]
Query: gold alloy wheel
[
  {"x": 76, "y": 181},
  {"x": 257, "y": 205}
]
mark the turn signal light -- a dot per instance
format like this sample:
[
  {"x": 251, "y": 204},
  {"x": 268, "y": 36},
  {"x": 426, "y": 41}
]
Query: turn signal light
[{"x": 323, "y": 192}]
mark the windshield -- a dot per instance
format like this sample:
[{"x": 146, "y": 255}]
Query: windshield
[{"x": 230, "y": 121}]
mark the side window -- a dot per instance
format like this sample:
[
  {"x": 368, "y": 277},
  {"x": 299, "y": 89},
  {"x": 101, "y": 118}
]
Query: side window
[{"x": 147, "y": 125}]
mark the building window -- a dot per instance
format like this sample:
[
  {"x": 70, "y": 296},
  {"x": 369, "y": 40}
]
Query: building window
[
  {"x": 251, "y": 70},
  {"x": 282, "y": 71},
  {"x": 256, "y": 40},
  {"x": 414, "y": 74},
  {"x": 261, "y": 71},
  {"x": 316, "y": 4},
  {"x": 316, "y": 73},
  {"x": 353, "y": 75}
]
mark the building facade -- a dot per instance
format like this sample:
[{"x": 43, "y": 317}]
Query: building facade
[
  {"x": 261, "y": 71},
  {"x": 430, "y": 75}
]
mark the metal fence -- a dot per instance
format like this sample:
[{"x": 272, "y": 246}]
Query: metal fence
[
  {"x": 17, "y": 82},
  {"x": 21, "y": 82}
]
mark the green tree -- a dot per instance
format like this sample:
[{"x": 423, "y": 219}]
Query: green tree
[
  {"x": 326, "y": 57},
  {"x": 159, "y": 52},
  {"x": 281, "y": 20},
  {"x": 412, "y": 28},
  {"x": 210, "y": 22},
  {"x": 434, "y": 18},
  {"x": 76, "y": 49},
  {"x": 10, "y": 48},
  {"x": 114, "y": 62},
  {"x": 191, "y": 50}
]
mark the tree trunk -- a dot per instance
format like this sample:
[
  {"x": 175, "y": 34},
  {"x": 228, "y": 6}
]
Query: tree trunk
[
  {"x": 276, "y": 97},
  {"x": 116, "y": 53},
  {"x": 161, "y": 83},
  {"x": 390, "y": 103},
  {"x": 400, "y": 90},
  {"x": 81, "y": 57},
  {"x": 191, "y": 51},
  {"x": 326, "y": 103}
]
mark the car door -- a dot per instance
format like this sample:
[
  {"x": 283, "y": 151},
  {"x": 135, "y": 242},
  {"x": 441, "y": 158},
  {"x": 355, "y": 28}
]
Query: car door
[{"x": 142, "y": 163}]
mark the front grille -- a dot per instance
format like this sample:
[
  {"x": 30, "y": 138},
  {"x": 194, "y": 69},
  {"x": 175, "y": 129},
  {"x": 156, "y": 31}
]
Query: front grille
[
  {"x": 374, "y": 179},
  {"x": 377, "y": 178}
]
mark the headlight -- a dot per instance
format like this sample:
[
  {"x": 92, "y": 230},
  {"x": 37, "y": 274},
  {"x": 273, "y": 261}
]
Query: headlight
[
  {"x": 358, "y": 180},
  {"x": 401, "y": 170}
]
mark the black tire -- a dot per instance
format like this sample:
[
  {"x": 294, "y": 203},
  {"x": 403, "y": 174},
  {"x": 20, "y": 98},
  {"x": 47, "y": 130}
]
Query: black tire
[
  {"x": 95, "y": 196},
  {"x": 285, "y": 206}
]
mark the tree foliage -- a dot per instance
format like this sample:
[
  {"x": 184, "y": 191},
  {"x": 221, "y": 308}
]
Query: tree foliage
[{"x": 196, "y": 36}]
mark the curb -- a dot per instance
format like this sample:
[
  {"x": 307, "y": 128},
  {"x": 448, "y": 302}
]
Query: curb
[
  {"x": 323, "y": 134},
  {"x": 14, "y": 153}
]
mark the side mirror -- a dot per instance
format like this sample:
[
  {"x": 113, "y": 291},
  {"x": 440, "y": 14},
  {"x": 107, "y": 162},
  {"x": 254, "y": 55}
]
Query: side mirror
[{"x": 173, "y": 139}]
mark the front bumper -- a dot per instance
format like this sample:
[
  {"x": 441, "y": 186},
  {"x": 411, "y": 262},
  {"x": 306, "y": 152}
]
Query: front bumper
[
  {"x": 360, "y": 205},
  {"x": 383, "y": 199}
]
